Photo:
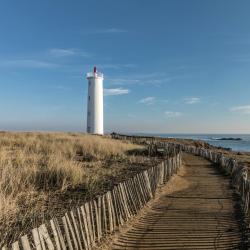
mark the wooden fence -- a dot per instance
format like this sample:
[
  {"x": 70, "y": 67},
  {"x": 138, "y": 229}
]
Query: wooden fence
[
  {"x": 85, "y": 226},
  {"x": 237, "y": 171}
]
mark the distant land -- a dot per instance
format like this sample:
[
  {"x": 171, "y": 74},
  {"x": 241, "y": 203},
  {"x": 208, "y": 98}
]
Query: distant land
[{"x": 236, "y": 142}]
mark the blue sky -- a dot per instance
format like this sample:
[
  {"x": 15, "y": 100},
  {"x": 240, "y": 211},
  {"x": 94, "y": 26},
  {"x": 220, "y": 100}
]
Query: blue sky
[{"x": 170, "y": 66}]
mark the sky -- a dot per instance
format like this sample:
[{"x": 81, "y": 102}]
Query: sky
[{"x": 170, "y": 66}]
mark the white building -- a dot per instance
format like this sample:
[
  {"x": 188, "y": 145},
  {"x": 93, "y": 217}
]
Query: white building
[{"x": 95, "y": 102}]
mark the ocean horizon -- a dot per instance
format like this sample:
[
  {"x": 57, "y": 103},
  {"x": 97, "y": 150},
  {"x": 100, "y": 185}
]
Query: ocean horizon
[{"x": 236, "y": 142}]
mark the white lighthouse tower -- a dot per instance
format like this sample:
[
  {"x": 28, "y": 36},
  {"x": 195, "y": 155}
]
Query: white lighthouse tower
[{"x": 95, "y": 103}]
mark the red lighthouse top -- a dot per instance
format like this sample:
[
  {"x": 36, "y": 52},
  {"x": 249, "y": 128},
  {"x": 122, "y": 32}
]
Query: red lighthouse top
[{"x": 94, "y": 74}]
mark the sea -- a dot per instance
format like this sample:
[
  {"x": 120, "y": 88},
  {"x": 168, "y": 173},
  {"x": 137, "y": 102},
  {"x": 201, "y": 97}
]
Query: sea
[{"x": 236, "y": 142}]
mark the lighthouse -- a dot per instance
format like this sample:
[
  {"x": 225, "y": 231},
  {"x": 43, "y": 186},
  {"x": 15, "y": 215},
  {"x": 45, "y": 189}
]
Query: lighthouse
[{"x": 95, "y": 102}]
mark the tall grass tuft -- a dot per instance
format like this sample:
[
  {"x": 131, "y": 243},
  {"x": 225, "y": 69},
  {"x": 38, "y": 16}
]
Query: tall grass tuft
[{"x": 34, "y": 165}]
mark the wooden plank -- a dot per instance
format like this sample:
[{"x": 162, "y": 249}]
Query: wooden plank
[
  {"x": 133, "y": 198},
  {"x": 120, "y": 203},
  {"x": 148, "y": 184},
  {"x": 97, "y": 221},
  {"x": 15, "y": 246},
  {"x": 60, "y": 235},
  {"x": 66, "y": 230},
  {"x": 56, "y": 237},
  {"x": 129, "y": 202},
  {"x": 87, "y": 210},
  {"x": 144, "y": 188},
  {"x": 140, "y": 190},
  {"x": 151, "y": 180},
  {"x": 119, "y": 206},
  {"x": 83, "y": 233},
  {"x": 85, "y": 223},
  {"x": 72, "y": 231},
  {"x": 130, "y": 197},
  {"x": 157, "y": 169},
  {"x": 104, "y": 215},
  {"x": 91, "y": 208},
  {"x": 162, "y": 172},
  {"x": 112, "y": 209},
  {"x": 25, "y": 243},
  {"x": 36, "y": 239},
  {"x": 111, "y": 226},
  {"x": 76, "y": 227},
  {"x": 169, "y": 168},
  {"x": 246, "y": 199},
  {"x": 154, "y": 177},
  {"x": 99, "y": 205},
  {"x": 45, "y": 238},
  {"x": 116, "y": 209},
  {"x": 125, "y": 201},
  {"x": 136, "y": 193}
]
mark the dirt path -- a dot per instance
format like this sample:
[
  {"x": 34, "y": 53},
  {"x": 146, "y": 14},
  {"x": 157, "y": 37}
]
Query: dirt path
[{"x": 203, "y": 215}]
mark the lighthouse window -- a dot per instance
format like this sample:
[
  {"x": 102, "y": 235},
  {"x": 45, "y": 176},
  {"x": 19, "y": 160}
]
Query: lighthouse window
[{"x": 89, "y": 97}]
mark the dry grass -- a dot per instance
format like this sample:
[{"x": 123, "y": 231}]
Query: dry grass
[{"x": 43, "y": 173}]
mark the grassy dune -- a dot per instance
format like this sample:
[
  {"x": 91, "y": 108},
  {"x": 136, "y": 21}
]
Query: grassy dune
[{"x": 43, "y": 174}]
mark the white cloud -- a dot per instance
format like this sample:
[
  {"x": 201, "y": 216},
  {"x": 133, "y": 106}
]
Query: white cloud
[
  {"x": 171, "y": 114},
  {"x": 152, "y": 78},
  {"x": 121, "y": 81},
  {"x": 192, "y": 100},
  {"x": 110, "y": 31},
  {"x": 117, "y": 91},
  {"x": 147, "y": 100},
  {"x": 241, "y": 109},
  {"x": 164, "y": 101},
  {"x": 28, "y": 63},
  {"x": 62, "y": 52},
  {"x": 49, "y": 59},
  {"x": 157, "y": 81},
  {"x": 115, "y": 66},
  {"x": 58, "y": 52}
]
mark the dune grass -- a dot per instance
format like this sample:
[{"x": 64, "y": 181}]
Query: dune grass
[{"x": 36, "y": 167}]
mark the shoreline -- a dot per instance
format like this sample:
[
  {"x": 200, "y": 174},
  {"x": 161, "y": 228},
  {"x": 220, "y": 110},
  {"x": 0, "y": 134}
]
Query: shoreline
[
  {"x": 242, "y": 157},
  {"x": 237, "y": 142}
]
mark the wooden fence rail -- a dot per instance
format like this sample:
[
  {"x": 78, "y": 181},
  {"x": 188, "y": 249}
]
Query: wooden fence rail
[{"x": 85, "y": 226}]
